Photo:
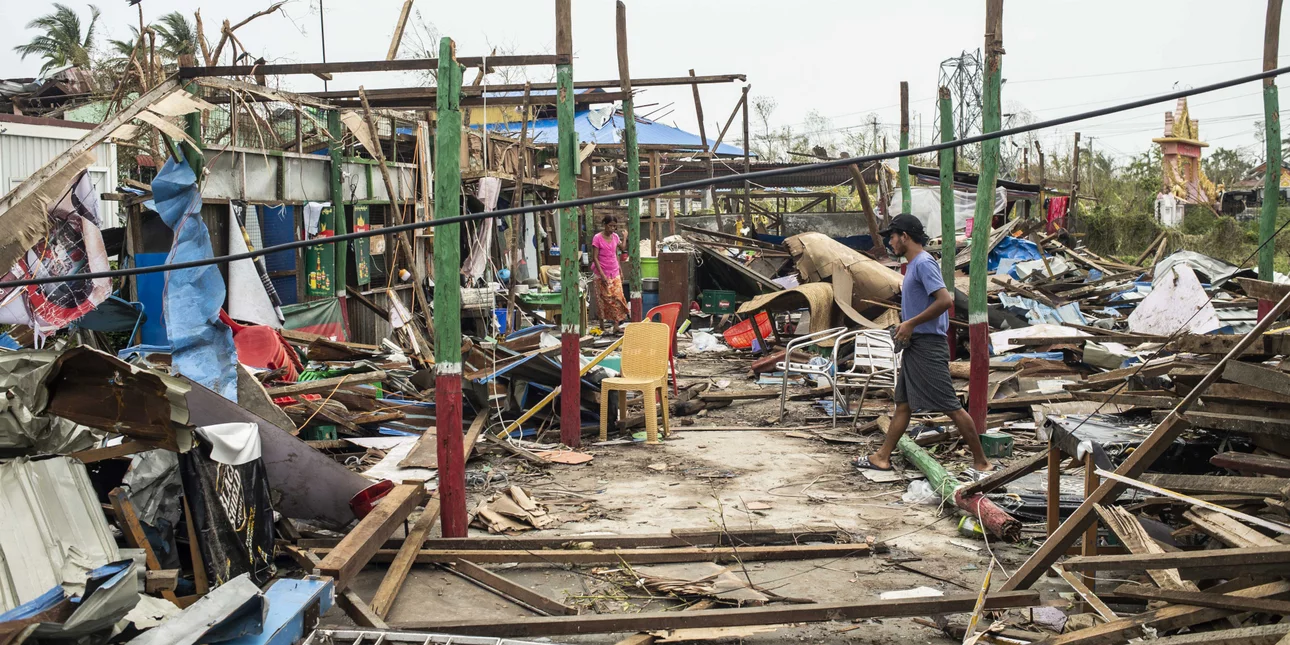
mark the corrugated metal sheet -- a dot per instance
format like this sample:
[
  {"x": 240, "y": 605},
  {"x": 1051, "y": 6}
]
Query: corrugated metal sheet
[
  {"x": 25, "y": 149},
  {"x": 545, "y": 131},
  {"x": 54, "y": 530},
  {"x": 364, "y": 325}
]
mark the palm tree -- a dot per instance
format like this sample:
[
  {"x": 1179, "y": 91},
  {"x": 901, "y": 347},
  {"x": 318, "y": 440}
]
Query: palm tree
[
  {"x": 178, "y": 35},
  {"x": 61, "y": 41}
]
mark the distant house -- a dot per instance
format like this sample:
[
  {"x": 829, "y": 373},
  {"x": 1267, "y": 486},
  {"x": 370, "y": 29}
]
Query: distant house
[{"x": 1247, "y": 193}]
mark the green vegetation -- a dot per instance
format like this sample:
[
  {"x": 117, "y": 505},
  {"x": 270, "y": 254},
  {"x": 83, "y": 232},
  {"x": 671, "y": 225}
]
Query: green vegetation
[{"x": 60, "y": 39}]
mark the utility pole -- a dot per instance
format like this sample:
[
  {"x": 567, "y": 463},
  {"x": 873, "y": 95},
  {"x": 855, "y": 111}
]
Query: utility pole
[
  {"x": 571, "y": 302},
  {"x": 447, "y": 294},
  {"x": 948, "y": 224},
  {"x": 1272, "y": 137},
  {"x": 633, "y": 165},
  {"x": 978, "y": 321},
  {"x": 905, "y": 206}
]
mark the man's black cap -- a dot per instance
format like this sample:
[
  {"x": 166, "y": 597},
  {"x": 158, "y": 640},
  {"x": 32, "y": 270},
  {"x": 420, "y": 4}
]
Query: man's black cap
[{"x": 905, "y": 223}]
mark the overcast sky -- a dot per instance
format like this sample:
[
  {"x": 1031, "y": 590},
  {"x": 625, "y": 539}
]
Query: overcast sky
[{"x": 844, "y": 59}]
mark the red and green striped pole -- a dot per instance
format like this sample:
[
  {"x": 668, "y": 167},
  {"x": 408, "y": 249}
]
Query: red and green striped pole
[
  {"x": 447, "y": 295},
  {"x": 1272, "y": 123},
  {"x": 978, "y": 319},
  {"x": 571, "y": 309},
  {"x": 948, "y": 229}
]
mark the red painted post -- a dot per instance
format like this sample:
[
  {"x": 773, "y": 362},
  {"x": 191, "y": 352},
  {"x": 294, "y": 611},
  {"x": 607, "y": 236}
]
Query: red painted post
[{"x": 571, "y": 305}]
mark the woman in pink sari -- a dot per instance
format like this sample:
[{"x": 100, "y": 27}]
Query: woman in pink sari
[{"x": 609, "y": 275}]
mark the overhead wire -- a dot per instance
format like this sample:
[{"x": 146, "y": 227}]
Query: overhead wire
[{"x": 650, "y": 192}]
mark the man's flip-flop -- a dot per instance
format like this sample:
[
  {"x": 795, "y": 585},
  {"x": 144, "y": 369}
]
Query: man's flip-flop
[{"x": 863, "y": 463}]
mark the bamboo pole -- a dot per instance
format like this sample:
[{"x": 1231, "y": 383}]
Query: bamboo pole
[
  {"x": 978, "y": 322},
  {"x": 948, "y": 228},
  {"x": 905, "y": 196},
  {"x": 633, "y": 167},
  {"x": 571, "y": 302},
  {"x": 447, "y": 295},
  {"x": 1272, "y": 136}
]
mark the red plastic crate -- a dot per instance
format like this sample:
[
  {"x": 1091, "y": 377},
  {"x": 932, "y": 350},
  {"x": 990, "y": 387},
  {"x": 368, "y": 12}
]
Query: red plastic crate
[{"x": 741, "y": 336}]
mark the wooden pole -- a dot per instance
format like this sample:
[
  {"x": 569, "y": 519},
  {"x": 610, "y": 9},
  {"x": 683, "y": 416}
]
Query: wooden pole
[
  {"x": 1272, "y": 136},
  {"x": 447, "y": 294},
  {"x": 398, "y": 31},
  {"x": 517, "y": 222},
  {"x": 948, "y": 222},
  {"x": 752, "y": 230},
  {"x": 978, "y": 321},
  {"x": 905, "y": 197},
  {"x": 571, "y": 304},
  {"x": 698, "y": 111},
  {"x": 633, "y": 166},
  {"x": 1070, "y": 208},
  {"x": 338, "y": 199}
]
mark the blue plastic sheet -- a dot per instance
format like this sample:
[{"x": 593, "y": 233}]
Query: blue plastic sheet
[
  {"x": 202, "y": 346},
  {"x": 1014, "y": 248}
]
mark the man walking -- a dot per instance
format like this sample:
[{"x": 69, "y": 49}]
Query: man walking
[{"x": 924, "y": 381}]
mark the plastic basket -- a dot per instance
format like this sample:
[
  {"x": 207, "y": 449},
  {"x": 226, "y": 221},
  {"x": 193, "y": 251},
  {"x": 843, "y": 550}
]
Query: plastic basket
[{"x": 741, "y": 335}]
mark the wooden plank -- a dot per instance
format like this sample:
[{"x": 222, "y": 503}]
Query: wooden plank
[
  {"x": 676, "y": 539},
  {"x": 1167, "y": 618},
  {"x": 1135, "y": 539},
  {"x": 1226, "y": 529},
  {"x": 325, "y": 384},
  {"x": 1261, "y": 635},
  {"x": 530, "y": 627},
  {"x": 395, "y": 576},
  {"x": 1275, "y": 526},
  {"x": 1204, "y": 599},
  {"x": 398, "y": 31},
  {"x": 1087, "y": 594},
  {"x": 132, "y": 531},
  {"x": 745, "y": 395},
  {"x": 513, "y": 590},
  {"x": 1262, "y": 290},
  {"x": 1241, "y": 423},
  {"x": 347, "y": 600},
  {"x": 1003, "y": 476},
  {"x": 1159, "y": 441},
  {"x": 1127, "y": 399},
  {"x": 1258, "y": 376},
  {"x": 629, "y": 556},
  {"x": 1250, "y": 464},
  {"x": 111, "y": 452},
  {"x": 1148, "y": 561},
  {"x": 200, "y": 581},
  {"x": 1219, "y": 484},
  {"x": 357, "y": 548}
]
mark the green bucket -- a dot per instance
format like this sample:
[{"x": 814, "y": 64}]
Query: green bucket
[{"x": 649, "y": 267}]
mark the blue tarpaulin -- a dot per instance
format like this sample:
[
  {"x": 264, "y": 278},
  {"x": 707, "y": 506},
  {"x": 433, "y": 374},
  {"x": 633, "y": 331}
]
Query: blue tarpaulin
[
  {"x": 544, "y": 131},
  {"x": 1014, "y": 248},
  {"x": 201, "y": 346}
]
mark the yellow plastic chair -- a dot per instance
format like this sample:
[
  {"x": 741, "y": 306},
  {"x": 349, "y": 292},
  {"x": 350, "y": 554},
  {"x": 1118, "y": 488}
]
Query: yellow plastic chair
[{"x": 644, "y": 368}]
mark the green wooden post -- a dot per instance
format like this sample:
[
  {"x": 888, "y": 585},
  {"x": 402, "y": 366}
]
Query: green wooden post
[
  {"x": 1272, "y": 123},
  {"x": 337, "y": 133},
  {"x": 905, "y": 196},
  {"x": 447, "y": 294},
  {"x": 948, "y": 228},
  {"x": 571, "y": 309},
  {"x": 633, "y": 168},
  {"x": 978, "y": 322}
]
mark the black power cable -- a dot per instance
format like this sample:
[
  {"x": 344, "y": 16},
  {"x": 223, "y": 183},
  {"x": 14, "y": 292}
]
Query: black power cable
[{"x": 649, "y": 192}]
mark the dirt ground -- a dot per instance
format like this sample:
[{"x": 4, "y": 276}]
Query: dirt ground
[{"x": 708, "y": 480}]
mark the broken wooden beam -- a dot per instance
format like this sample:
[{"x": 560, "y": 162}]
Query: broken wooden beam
[
  {"x": 325, "y": 384},
  {"x": 1204, "y": 599},
  {"x": 678, "y": 538},
  {"x": 1264, "y": 378},
  {"x": 398, "y": 65},
  {"x": 1219, "y": 484},
  {"x": 1244, "y": 424},
  {"x": 1247, "y": 463},
  {"x": 513, "y": 591},
  {"x": 768, "y": 615},
  {"x": 630, "y": 556},
  {"x": 357, "y": 548},
  {"x": 1226, "y": 530},
  {"x": 1003, "y": 476},
  {"x": 1234, "y": 558}
]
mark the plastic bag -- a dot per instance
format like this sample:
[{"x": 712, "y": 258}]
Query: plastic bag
[
  {"x": 702, "y": 341},
  {"x": 920, "y": 492}
]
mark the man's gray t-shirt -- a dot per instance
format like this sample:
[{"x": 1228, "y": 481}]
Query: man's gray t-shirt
[{"x": 922, "y": 279}]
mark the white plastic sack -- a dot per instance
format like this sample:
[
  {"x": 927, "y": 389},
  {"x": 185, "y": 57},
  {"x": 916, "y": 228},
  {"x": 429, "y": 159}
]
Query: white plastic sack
[
  {"x": 702, "y": 341},
  {"x": 925, "y": 204},
  {"x": 920, "y": 492}
]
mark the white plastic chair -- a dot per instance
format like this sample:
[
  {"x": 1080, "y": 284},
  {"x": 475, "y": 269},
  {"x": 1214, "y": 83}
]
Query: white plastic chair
[
  {"x": 876, "y": 363},
  {"x": 788, "y": 367}
]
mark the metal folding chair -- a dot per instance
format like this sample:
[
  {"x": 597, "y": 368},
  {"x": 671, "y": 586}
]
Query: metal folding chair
[
  {"x": 788, "y": 367},
  {"x": 875, "y": 363}
]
